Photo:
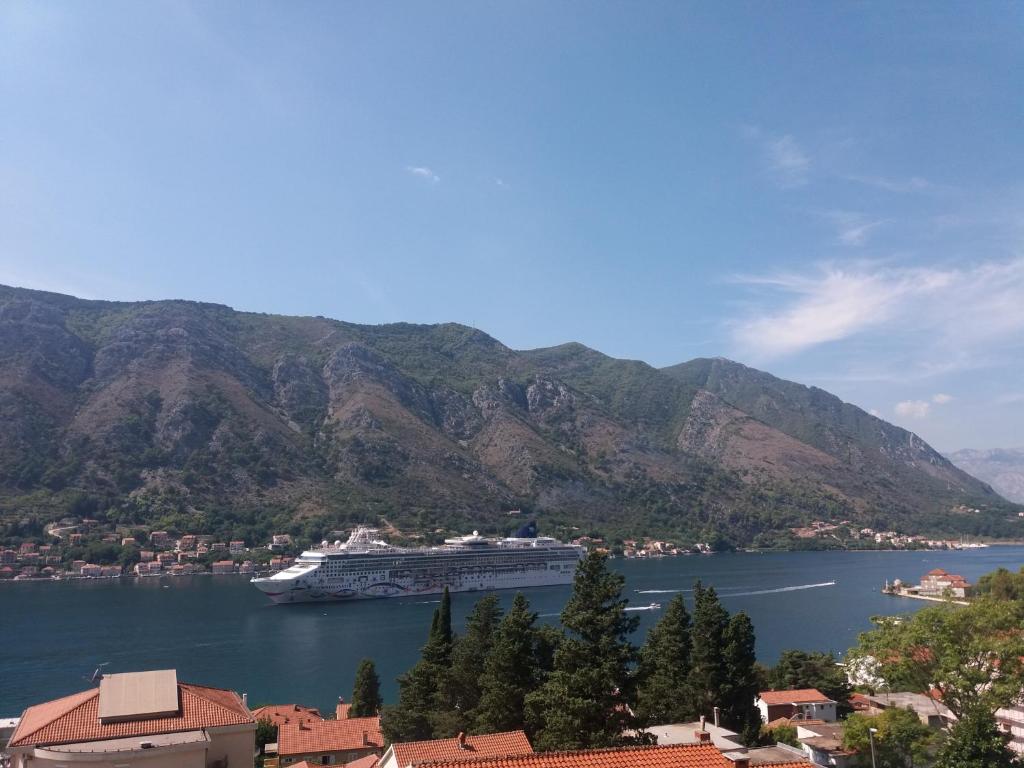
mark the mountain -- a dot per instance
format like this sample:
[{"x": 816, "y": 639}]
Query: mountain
[
  {"x": 196, "y": 417},
  {"x": 1002, "y": 468}
]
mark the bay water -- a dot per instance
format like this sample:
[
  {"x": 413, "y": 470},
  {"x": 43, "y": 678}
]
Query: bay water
[{"x": 221, "y": 631}]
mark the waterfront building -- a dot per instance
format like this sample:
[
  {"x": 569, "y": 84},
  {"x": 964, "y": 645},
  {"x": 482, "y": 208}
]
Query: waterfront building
[
  {"x": 329, "y": 742},
  {"x": 458, "y": 749},
  {"x": 91, "y": 570},
  {"x": 937, "y": 581},
  {"x": 800, "y": 704},
  {"x": 224, "y": 566},
  {"x": 145, "y": 719},
  {"x": 8, "y": 557},
  {"x": 6, "y": 572}
]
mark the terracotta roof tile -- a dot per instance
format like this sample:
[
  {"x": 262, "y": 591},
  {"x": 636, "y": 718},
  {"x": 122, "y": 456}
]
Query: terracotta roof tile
[
  {"x": 279, "y": 714},
  {"x": 796, "y": 696},
  {"x": 667, "y": 756},
  {"x": 484, "y": 745},
  {"x": 363, "y": 762},
  {"x": 76, "y": 718},
  {"x": 329, "y": 736}
]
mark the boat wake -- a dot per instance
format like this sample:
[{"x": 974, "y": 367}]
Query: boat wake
[
  {"x": 651, "y": 607},
  {"x": 797, "y": 588},
  {"x": 660, "y": 591}
]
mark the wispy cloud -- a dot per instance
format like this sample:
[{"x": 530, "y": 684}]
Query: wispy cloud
[
  {"x": 423, "y": 172},
  {"x": 913, "y": 409},
  {"x": 853, "y": 228},
  {"x": 785, "y": 159},
  {"x": 901, "y": 186},
  {"x": 941, "y": 398},
  {"x": 948, "y": 315}
]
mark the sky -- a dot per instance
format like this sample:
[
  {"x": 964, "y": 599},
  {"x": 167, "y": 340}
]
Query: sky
[{"x": 832, "y": 192}]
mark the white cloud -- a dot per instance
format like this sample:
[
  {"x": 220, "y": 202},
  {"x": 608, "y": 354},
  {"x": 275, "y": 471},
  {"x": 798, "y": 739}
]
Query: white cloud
[
  {"x": 423, "y": 172},
  {"x": 853, "y": 229},
  {"x": 914, "y": 409},
  {"x": 912, "y": 184},
  {"x": 874, "y": 412},
  {"x": 788, "y": 161},
  {"x": 944, "y": 317},
  {"x": 941, "y": 398}
]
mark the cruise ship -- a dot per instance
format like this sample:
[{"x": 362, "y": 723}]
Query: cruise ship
[{"x": 365, "y": 567}]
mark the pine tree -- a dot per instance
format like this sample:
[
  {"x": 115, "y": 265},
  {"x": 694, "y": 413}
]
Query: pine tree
[
  {"x": 461, "y": 692},
  {"x": 584, "y": 701},
  {"x": 511, "y": 672},
  {"x": 707, "y": 675},
  {"x": 740, "y": 686},
  {"x": 366, "y": 701},
  {"x": 413, "y": 718},
  {"x": 663, "y": 693}
]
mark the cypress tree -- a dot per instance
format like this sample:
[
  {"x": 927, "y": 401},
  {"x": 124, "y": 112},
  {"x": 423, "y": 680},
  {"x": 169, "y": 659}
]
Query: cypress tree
[
  {"x": 460, "y": 694},
  {"x": 366, "y": 701},
  {"x": 707, "y": 675},
  {"x": 413, "y": 718},
  {"x": 740, "y": 686},
  {"x": 583, "y": 702},
  {"x": 510, "y": 672},
  {"x": 663, "y": 694}
]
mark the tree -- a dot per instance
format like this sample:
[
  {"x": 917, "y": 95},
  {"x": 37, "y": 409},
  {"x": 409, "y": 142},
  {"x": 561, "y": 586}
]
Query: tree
[
  {"x": 412, "y": 719},
  {"x": 973, "y": 655},
  {"x": 510, "y": 672},
  {"x": 974, "y": 742},
  {"x": 663, "y": 691},
  {"x": 707, "y": 675},
  {"x": 266, "y": 733},
  {"x": 740, "y": 686},
  {"x": 461, "y": 692},
  {"x": 583, "y": 702},
  {"x": 901, "y": 741},
  {"x": 366, "y": 701},
  {"x": 803, "y": 669}
]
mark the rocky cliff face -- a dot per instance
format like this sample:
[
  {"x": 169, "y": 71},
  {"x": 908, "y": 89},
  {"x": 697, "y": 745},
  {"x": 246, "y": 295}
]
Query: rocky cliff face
[
  {"x": 195, "y": 415},
  {"x": 1003, "y": 468}
]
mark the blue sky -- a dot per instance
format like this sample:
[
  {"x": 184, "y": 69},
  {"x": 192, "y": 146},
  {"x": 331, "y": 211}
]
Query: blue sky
[{"x": 833, "y": 192}]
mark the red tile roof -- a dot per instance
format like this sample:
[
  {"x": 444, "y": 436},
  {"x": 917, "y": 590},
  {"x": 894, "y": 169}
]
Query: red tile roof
[
  {"x": 75, "y": 718},
  {"x": 363, "y": 762},
  {"x": 796, "y": 696},
  {"x": 279, "y": 714},
  {"x": 666, "y": 756},
  {"x": 329, "y": 736},
  {"x": 936, "y": 572},
  {"x": 484, "y": 745}
]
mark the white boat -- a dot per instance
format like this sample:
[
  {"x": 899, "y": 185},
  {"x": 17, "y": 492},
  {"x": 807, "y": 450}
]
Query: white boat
[{"x": 366, "y": 567}]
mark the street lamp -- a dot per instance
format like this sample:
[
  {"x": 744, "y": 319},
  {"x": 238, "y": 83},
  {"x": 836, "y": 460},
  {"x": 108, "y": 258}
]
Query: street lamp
[{"x": 871, "y": 738}]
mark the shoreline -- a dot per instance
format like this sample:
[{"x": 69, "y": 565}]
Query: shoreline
[{"x": 928, "y": 598}]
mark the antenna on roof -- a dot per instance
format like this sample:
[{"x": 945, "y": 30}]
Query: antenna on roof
[{"x": 98, "y": 674}]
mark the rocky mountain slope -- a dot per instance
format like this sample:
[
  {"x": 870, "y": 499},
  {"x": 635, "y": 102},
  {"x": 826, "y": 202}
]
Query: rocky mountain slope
[
  {"x": 1002, "y": 468},
  {"x": 197, "y": 417}
]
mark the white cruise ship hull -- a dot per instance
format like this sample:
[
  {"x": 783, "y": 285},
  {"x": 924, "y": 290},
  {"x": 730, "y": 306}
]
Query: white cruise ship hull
[{"x": 362, "y": 569}]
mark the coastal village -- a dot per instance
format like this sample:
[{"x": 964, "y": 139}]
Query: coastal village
[{"x": 151, "y": 719}]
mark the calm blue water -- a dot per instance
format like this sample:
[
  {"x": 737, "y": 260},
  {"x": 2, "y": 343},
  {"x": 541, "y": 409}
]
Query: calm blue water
[{"x": 221, "y": 631}]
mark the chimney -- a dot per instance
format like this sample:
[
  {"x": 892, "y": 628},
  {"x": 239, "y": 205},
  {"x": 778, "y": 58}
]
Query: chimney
[
  {"x": 703, "y": 722},
  {"x": 703, "y": 737},
  {"x": 739, "y": 761},
  {"x": 366, "y": 739},
  {"x": 462, "y": 740},
  {"x": 245, "y": 699},
  {"x": 716, "y": 717}
]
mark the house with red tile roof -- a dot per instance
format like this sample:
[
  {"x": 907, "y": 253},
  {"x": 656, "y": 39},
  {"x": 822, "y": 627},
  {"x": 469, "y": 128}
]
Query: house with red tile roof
[
  {"x": 937, "y": 581},
  {"x": 462, "y": 747},
  {"x": 797, "y": 704},
  {"x": 137, "y": 719},
  {"x": 280, "y": 714},
  {"x": 703, "y": 755},
  {"x": 329, "y": 742}
]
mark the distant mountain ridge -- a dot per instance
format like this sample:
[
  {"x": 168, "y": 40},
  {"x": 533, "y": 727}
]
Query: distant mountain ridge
[
  {"x": 1002, "y": 468},
  {"x": 195, "y": 416}
]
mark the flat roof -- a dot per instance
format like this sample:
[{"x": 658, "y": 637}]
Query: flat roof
[
  {"x": 133, "y": 743},
  {"x": 138, "y": 695}
]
